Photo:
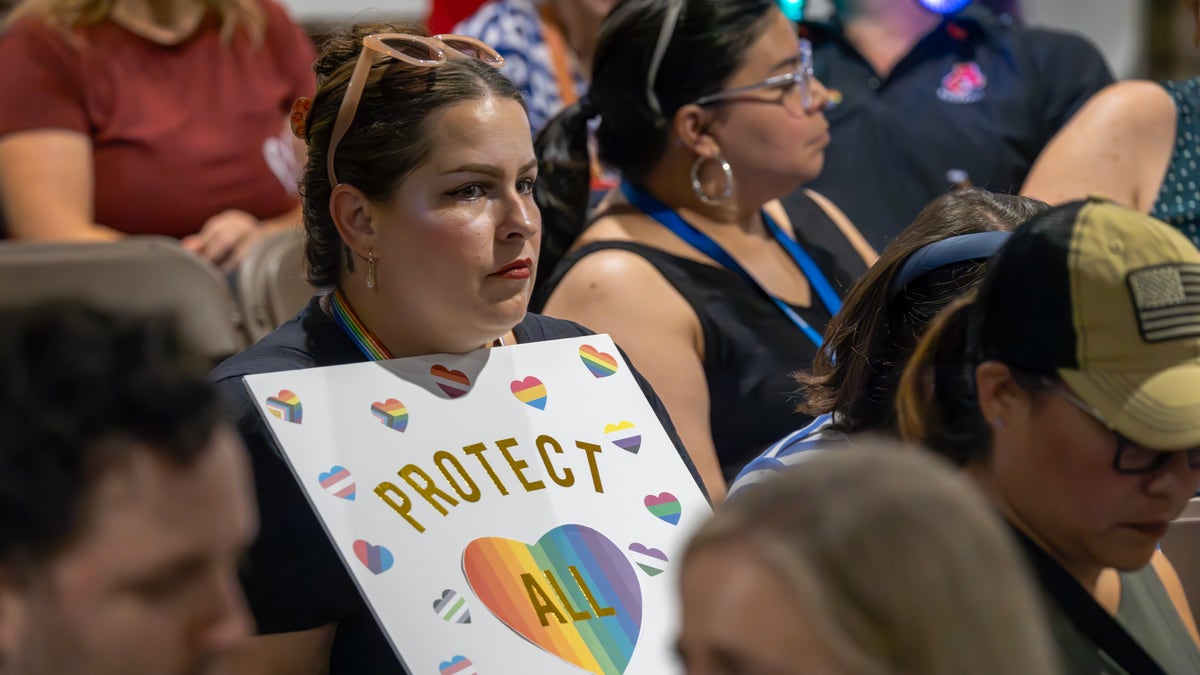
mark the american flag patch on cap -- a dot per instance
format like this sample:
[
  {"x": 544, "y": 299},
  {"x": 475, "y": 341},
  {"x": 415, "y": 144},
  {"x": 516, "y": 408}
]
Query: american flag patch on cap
[{"x": 1167, "y": 301}]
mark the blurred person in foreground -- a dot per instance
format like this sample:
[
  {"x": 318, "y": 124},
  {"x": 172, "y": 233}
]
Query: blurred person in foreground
[{"x": 125, "y": 502}]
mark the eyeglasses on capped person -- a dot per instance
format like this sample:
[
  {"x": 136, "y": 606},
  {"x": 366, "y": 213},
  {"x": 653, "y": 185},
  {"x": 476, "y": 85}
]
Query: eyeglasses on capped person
[
  {"x": 415, "y": 50},
  {"x": 1130, "y": 458}
]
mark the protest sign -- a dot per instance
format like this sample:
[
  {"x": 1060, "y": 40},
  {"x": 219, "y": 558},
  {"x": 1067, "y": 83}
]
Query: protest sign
[{"x": 512, "y": 510}]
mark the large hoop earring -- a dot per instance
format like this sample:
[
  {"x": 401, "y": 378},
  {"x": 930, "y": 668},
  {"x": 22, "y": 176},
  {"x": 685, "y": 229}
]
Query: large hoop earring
[{"x": 698, "y": 187}]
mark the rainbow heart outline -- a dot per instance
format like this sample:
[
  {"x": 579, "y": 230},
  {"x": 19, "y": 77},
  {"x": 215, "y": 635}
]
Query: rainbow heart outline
[
  {"x": 453, "y": 383},
  {"x": 338, "y": 482},
  {"x": 377, "y": 559},
  {"x": 531, "y": 391},
  {"x": 664, "y": 506},
  {"x": 286, "y": 406},
  {"x": 457, "y": 665},
  {"x": 651, "y": 560},
  {"x": 624, "y": 435},
  {"x": 588, "y": 590},
  {"x": 391, "y": 413},
  {"x": 452, "y": 607},
  {"x": 599, "y": 364}
]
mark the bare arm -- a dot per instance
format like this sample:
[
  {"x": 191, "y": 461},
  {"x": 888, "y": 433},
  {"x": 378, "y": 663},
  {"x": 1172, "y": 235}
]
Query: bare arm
[
  {"x": 300, "y": 653},
  {"x": 1118, "y": 145},
  {"x": 46, "y": 187},
  {"x": 618, "y": 293},
  {"x": 1170, "y": 580}
]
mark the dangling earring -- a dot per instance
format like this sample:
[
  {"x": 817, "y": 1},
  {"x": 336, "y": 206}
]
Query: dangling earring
[
  {"x": 371, "y": 268},
  {"x": 698, "y": 186}
]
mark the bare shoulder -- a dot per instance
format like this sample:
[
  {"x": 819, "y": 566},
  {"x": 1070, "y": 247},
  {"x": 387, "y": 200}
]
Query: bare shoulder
[
  {"x": 1134, "y": 105},
  {"x": 848, "y": 229},
  {"x": 614, "y": 286}
]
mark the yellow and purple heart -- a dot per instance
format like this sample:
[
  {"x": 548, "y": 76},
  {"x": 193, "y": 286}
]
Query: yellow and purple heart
[
  {"x": 530, "y": 391},
  {"x": 338, "y": 482},
  {"x": 452, "y": 607},
  {"x": 459, "y": 665},
  {"x": 573, "y": 593},
  {"x": 664, "y": 506},
  {"x": 624, "y": 435},
  {"x": 599, "y": 363},
  {"x": 391, "y": 413},
  {"x": 286, "y": 406},
  {"x": 375, "y": 558},
  {"x": 454, "y": 383},
  {"x": 651, "y": 560}
]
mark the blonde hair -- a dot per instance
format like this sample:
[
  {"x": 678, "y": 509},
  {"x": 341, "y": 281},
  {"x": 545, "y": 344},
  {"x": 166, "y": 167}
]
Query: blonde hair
[
  {"x": 64, "y": 14},
  {"x": 898, "y": 559}
]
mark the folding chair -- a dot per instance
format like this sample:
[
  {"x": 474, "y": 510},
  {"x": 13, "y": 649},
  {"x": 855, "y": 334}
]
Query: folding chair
[
  {"x": 138, "y": 274},
  {"x": 270, "y": 286}
]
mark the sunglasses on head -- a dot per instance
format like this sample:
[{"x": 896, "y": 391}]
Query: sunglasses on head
[{"x": 414, "y": 50}]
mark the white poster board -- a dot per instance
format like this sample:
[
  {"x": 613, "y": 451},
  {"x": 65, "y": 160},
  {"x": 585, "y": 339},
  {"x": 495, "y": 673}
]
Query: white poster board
[{"x": 512, "y": 510}]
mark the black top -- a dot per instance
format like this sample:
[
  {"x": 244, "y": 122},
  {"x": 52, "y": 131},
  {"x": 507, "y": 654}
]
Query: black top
[
  {"x": 293, "y": 578},
  {"x": 750, "y": 347},
  {"x": 978, "y": 93}
]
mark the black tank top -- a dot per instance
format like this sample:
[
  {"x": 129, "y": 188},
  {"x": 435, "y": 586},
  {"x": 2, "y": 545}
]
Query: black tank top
[{"x": 750, "y": 347}]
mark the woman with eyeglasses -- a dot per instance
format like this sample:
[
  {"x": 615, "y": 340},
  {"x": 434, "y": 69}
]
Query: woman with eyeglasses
[
  {"x": 1069, "y": 389},
  {"x": 421, "y": 226},
  {"x": 1135, "y": 141},
  {"x": 160, "y": 117},
  {"x": 709, "y": 112}
]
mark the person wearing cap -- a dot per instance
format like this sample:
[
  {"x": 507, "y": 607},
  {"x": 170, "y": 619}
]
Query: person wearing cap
[
  {"x": 853, "y": 379},
  {"x": 930, "y": 100},
  {"x": 1068, "y": 388}
]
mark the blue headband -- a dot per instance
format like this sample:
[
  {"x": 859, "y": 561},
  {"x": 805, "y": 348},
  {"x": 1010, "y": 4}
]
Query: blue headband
[{"x": 964, "y": 247}]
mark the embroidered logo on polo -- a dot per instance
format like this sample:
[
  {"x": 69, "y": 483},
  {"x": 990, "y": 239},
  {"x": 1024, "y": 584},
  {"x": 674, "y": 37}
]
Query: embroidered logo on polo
[
  {"x": 1167, "y": 301},
  {"x": 965, "y": 83}
]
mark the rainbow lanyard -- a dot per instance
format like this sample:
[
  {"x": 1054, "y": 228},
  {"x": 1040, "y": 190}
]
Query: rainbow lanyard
[{"x": 348, "y": 321}]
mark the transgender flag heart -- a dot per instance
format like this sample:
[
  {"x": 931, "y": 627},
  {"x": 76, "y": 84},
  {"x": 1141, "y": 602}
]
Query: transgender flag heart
[{"x": 338, "y": 482}]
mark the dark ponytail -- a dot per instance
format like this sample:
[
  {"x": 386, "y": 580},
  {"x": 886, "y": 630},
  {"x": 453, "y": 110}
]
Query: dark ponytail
[
  {"x": 564, "y": 182},
  {"x": 936, "y": 404}
]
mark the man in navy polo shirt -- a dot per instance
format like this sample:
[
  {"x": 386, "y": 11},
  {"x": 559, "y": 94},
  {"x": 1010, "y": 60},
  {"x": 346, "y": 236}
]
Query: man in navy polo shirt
[{"x": 930, "y": 100}]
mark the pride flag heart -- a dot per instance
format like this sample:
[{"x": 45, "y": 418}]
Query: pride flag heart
[
  {"x": 459, "y": 665},
  {"x": 530, "y": 391},
  {"x": 286, "y": 406},
  {"x": 452, "y": 607},
  {"x": 599, "y": 363},
  {"x": 573, "y": 593},
  {"x": 664, "y": 506},
  {"x": 338, "y": 482},
  {"x": 651, "y": 560},
  {"x": 375, "y": 558},
  {"x": 624, "y": 435},
  {"x": 392, "y": 413},
  {"x": 454, "y": 383}
]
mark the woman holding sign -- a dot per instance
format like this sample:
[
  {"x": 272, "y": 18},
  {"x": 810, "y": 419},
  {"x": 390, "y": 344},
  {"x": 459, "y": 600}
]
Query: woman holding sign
[
  {"x": 718, "y": 288},
  {"x": 419, "y": 215}
]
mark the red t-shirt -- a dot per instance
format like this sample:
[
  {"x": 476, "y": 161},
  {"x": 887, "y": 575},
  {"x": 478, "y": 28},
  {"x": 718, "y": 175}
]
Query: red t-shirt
[{"x": 179, "y": 133}]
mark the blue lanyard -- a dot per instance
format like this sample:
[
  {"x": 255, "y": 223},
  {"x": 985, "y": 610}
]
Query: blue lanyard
[{"x": 671, "y": 220}]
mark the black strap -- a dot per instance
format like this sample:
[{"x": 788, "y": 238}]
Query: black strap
[{"x": 1096, "y": 624}]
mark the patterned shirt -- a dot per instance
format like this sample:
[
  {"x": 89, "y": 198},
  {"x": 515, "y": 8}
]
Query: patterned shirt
[
  {"x": 515, "y": 29},
  {"x": 1178, "y": 200},
  {"x": 791, "y": 450}
]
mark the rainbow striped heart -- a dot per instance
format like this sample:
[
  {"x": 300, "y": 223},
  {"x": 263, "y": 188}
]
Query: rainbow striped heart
[{"x": 573, "y": 593}]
